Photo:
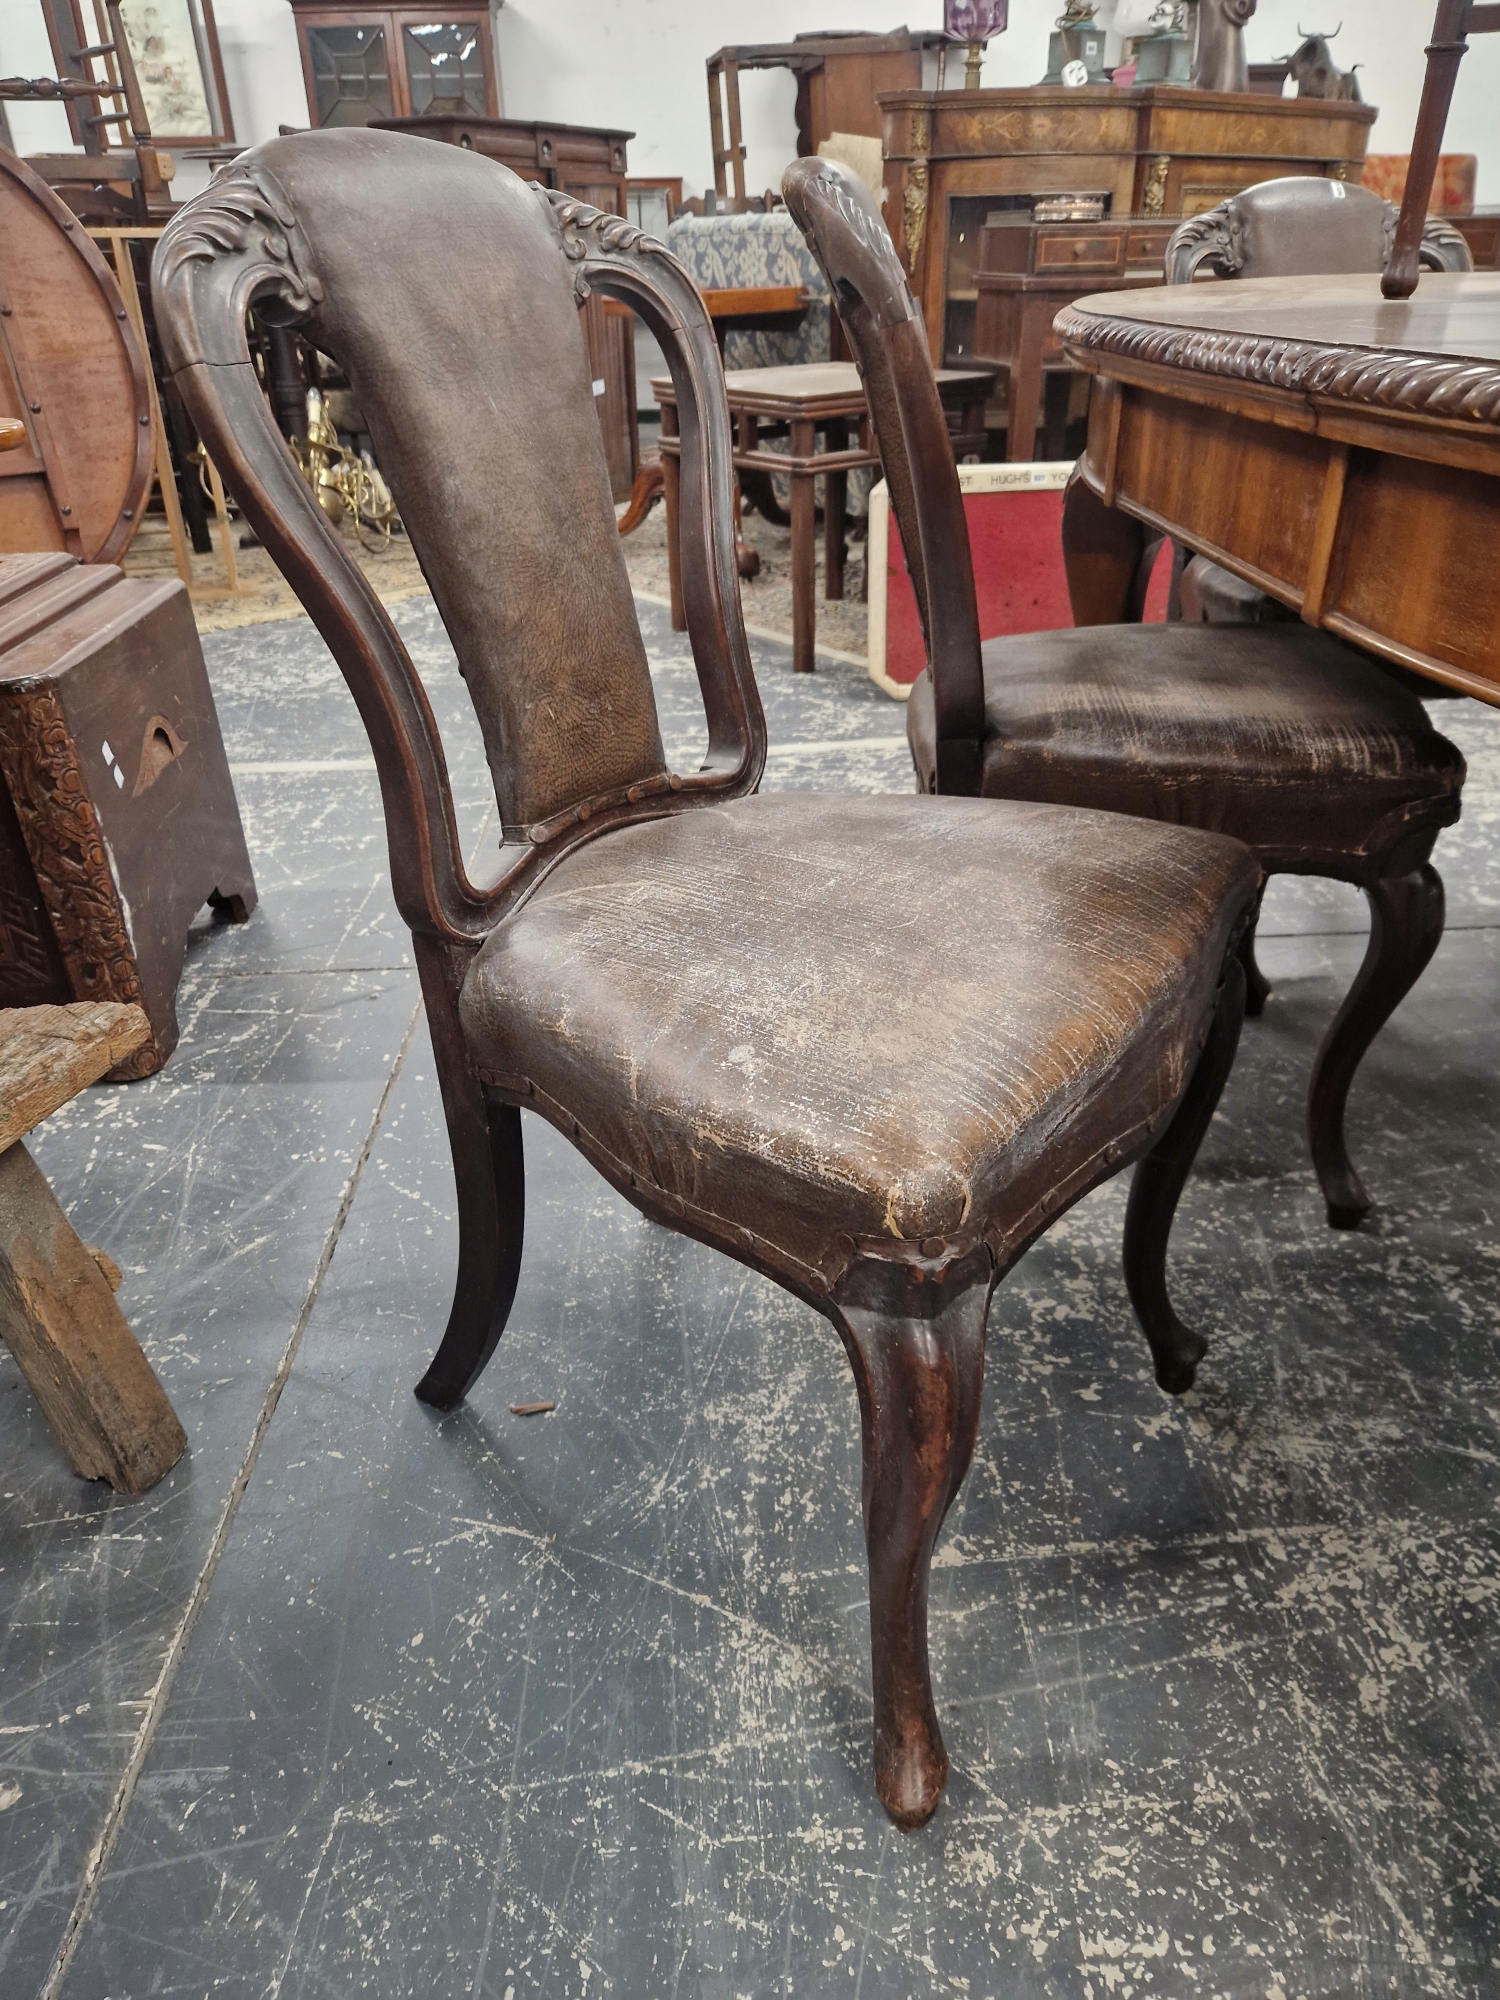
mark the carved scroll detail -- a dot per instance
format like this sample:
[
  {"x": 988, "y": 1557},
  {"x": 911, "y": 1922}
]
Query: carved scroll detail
[
  {"x": 1217, "y": 237},
  {"x": 587, "y": 231},
  {"x": 242, "y": 211},
  {"x": 68, "y": 856},
  {"x": 1421, "y": 385}
]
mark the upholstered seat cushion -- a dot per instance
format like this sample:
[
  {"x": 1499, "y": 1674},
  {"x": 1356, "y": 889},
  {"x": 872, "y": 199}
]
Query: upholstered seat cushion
[
  {"x": 819, "y": 1019},
  {"x": 1279, "y": 735}
]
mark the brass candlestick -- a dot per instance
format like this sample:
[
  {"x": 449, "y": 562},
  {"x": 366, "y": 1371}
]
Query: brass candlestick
[{"x": 972, "y": 60}]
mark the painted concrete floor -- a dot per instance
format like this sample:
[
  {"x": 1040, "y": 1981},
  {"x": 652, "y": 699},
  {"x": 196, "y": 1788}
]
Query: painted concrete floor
[{"x": 366, "y": 1701}]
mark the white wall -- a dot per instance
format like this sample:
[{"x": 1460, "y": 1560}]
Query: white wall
[{"x": 639, "y": 64}]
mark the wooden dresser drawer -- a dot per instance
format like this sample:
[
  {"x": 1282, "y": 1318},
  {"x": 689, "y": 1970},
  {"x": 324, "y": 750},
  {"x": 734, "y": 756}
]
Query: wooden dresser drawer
[
  {"x": 1080, "y": 250},
  {"x": 1149, "y": 245}
]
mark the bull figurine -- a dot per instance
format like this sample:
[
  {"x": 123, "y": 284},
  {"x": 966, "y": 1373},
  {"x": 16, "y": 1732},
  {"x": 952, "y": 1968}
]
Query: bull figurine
[{"x": 1318, "y": 75}]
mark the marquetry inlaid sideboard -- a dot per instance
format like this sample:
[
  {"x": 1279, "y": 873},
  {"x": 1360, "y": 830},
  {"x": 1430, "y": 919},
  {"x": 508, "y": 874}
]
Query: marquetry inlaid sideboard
[{"x": 955, "y": 158}]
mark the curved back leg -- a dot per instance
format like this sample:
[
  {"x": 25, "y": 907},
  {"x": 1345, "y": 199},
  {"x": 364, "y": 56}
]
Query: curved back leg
[{"x": 1406, "y": 928}]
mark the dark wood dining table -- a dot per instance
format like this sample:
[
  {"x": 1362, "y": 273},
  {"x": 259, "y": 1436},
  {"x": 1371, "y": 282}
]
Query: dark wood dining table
[{"x": 1339, "y": 450}]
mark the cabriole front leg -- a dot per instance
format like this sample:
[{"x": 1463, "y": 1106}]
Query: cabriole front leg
[
  {"x": 490, "y": 1186},
  {"x": 915, "y": 1335}
]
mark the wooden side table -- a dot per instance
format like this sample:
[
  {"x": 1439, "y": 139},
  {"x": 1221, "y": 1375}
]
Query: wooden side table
[
  {"x": 1027, "y": 272},
  {"x": 815, "y": 398}
]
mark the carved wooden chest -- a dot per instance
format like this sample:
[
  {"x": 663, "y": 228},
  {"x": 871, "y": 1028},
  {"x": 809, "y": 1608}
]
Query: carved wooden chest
[{"x": 118, "y": 819}]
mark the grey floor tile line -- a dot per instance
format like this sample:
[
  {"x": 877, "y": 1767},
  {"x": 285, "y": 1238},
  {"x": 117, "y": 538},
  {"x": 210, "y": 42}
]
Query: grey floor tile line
[
  {"x": 160, "y": 1695},
  {"x": 156, "y": 1702}
]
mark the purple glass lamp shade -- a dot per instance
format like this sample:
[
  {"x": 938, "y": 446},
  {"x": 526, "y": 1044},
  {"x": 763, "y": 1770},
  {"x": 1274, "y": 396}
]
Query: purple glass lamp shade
[{"x": 975, "y": 20}]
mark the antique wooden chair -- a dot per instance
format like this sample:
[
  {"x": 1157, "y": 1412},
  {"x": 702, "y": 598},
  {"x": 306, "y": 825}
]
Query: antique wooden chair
[
  {"x": 1302, "y": 226},
  {"x": 870, "y": 1047},
  {"x": 1278, "y": 734}
]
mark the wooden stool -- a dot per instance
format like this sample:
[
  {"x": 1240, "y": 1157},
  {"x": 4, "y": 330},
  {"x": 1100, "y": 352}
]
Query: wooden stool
[
  {"x": 58, "y": 1314},
  {"x": 803, "y": 401},
  {"x": 118, "y": 819}
]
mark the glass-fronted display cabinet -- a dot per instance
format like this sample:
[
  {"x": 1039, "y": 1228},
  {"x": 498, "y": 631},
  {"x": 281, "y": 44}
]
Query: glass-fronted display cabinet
[{"x": 361, "y": 63}]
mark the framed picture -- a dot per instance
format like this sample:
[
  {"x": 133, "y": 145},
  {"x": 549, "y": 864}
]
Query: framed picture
[{"x": 174, "y": 46}]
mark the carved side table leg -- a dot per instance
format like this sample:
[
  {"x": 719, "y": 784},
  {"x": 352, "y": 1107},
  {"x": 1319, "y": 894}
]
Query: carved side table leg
[
  {"x": 746, "y": 559},
  {"x": 644, "y": 494},
  {"x": 1025, "y": 398},
  {"x": 671, "y": 466},
  {"x": 835, "y": 509},
  {"x": 59, "y": 1319},
  {"x": 804, "y": 552}
]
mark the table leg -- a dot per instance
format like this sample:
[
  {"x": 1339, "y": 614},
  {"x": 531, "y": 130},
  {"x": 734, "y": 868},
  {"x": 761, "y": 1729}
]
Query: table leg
[
  {"x": 671, "y": 487},
  {"x": 835, "y": 503},
  {"x": 69, "y": 1339},
  {"x": 746, "y": 559},
  {"x": 804, "y": 560},
  {"x": 1103, "y": 552},
  {"x": 1026, "y": 384},
  {"x": 1057, "y": 392}
]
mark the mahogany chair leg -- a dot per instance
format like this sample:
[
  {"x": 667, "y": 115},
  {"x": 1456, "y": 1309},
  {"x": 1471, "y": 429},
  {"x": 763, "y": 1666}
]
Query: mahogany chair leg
[
  {"x": 1406, "y": 927},
  {"x": 915, "y": 1337},
  {"x": 1257, "y": 986},
  {"x": 490, "y": 1177},
  {"x": 1104, "y": 554},
  {"x": 1157, "y": 1187}
]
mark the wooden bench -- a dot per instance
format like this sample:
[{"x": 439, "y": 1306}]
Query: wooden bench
[{"x": 58, "y": 1314}]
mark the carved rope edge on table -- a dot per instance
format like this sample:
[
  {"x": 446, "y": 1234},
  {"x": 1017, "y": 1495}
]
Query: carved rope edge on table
[
  {"x": 1420, "y": 385},
  {"x": 68, "y": 856}
]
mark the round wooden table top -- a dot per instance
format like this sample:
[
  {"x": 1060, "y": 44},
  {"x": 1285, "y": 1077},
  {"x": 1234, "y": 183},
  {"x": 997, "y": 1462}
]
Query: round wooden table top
[
  {"x": 1436, "y": 355},
  {"x": 70, "y": 364}
]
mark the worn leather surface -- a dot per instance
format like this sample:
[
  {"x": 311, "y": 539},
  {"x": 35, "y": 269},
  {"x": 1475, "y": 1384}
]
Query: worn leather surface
[
  {"x": 465, "y": 353},
  {"x": 825, "y": 1018},
  {"x": 1284, "y": 738}
]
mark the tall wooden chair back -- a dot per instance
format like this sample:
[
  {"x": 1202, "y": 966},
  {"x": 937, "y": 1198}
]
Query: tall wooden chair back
[
  {"x": 837, "y": 214},
  {"x": 449, "y": 291}
]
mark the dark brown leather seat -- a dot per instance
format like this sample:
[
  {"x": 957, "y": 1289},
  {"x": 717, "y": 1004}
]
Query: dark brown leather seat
[
  {"x": 1276, "y": 734},
  {"x": 1299, "y": 745},
  {"x": 825, "y": 1017},
  {"x": 869, "y": 1047}
]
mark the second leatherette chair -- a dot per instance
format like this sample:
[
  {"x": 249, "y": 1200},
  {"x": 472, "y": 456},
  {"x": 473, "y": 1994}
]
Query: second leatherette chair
[
  {"x": 870, "y": 1047},
  {"x": 1286, "y": 738}
]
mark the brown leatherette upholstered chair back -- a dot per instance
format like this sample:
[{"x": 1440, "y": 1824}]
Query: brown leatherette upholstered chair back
[
  {"x": 1302, "y": 226},
  {"x": 447, "y": 289},
  {"x": 1277, "y": 733},
  {"x": 713, "y": 995}
]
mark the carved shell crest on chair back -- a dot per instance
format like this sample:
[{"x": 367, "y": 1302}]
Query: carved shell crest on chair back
[
  {"x": 437, "y": 279},
  {"x": 1301, "y": 226}
]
